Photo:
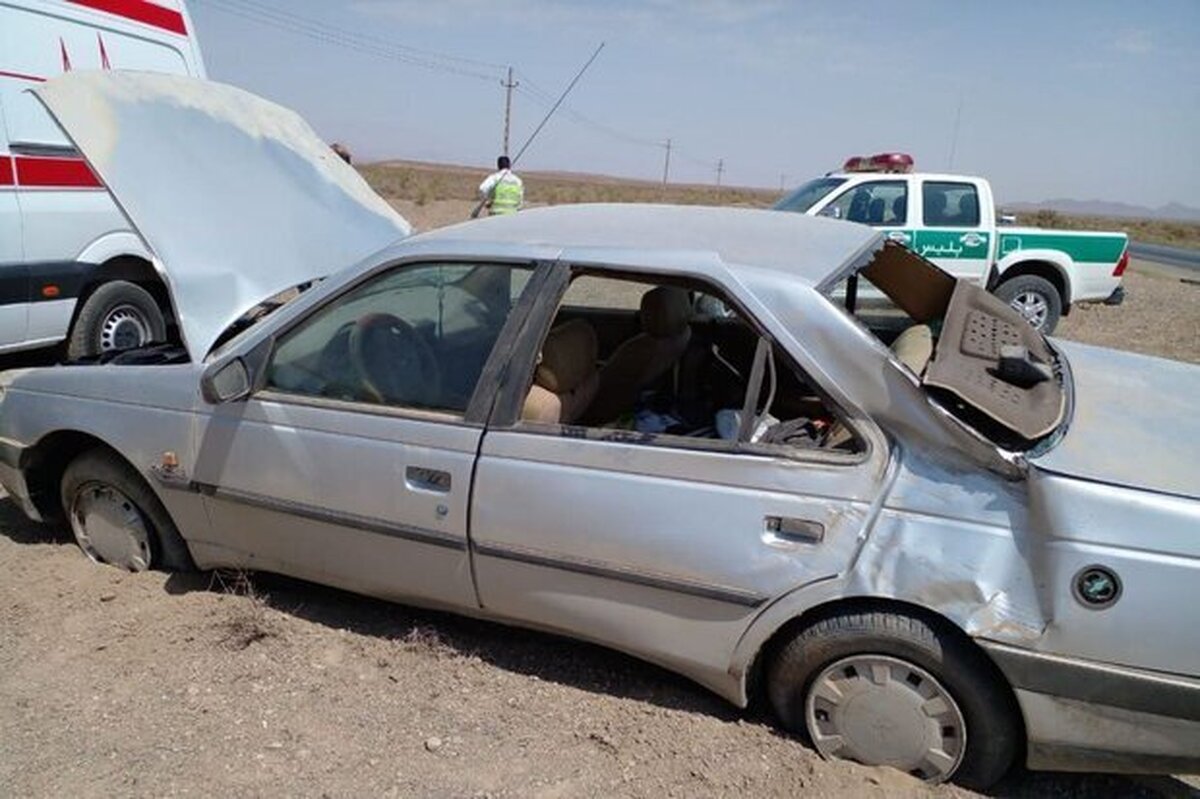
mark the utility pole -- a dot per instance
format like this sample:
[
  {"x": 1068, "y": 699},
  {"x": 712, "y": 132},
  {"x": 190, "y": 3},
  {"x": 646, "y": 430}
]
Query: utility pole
[
  {"x": 508, "y": 85},
  {"x": 954, "y": 138},
  {"x": 667, "y": 162},
  {"x": 782, "y": 180},
  {"x": 720, "y": 170}
]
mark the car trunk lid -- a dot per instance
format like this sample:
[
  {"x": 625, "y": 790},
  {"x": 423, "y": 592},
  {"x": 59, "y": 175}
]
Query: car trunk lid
[{"x": 1134, "y": 422}]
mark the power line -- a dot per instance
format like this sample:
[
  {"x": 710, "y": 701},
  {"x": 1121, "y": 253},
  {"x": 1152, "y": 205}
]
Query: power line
[
  {"x": 445, "y": 63},
  {"x": 350, "y": 40},
  {"x": 268, "y": 10},
  {"x": 538, "y": 94}
]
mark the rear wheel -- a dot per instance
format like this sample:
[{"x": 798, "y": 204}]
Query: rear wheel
[
  {"x": 893, "y": 689},
  {"x": 117, "y": 316},
  {"x": 1035, "y": 298},
  {"x": 117, "y": 519}
]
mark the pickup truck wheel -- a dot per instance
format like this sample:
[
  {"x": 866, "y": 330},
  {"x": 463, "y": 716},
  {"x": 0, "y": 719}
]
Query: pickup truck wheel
[
  {"x": 117, "y": 519},
  {"x": 117, "y": 316},
  {"x": 1035, "y": 298},
  {"x": 890, "y": 688}
]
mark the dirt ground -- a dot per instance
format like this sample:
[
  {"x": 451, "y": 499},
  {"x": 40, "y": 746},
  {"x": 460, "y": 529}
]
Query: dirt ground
[
  {"x": 198, "y": 685},
  {"x": 114, "y": 684}
]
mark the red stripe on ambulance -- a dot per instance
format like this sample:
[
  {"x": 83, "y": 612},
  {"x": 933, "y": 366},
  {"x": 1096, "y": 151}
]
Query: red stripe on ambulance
[{"x": 140, "y": 11}]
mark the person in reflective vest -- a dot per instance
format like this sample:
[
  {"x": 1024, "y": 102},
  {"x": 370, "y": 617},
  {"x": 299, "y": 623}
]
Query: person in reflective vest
[{"x": 502, "y": 191}]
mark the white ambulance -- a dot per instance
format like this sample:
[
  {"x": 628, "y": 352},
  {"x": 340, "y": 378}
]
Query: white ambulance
[{"x": 71, "y": 270}]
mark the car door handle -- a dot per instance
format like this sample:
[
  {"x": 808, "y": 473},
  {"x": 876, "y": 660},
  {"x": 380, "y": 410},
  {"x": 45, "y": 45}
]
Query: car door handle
[
  {"x": 786, "y": 528},
  {"x": 900, "y": 236},
  {"x": 427, "y": 479}
]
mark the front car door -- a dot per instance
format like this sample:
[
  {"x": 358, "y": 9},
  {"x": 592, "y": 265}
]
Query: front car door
[
  {"x": 882, "y": 204},
  {"x": 663, "y": 545},
  {"x": 353, "y": 465}
]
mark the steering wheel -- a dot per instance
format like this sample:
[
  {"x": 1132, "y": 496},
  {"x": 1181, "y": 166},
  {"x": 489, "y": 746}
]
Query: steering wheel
[{"x": 394, "y": 362}]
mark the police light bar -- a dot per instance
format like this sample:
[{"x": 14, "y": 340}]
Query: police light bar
[{"x": 883, "y": 162}]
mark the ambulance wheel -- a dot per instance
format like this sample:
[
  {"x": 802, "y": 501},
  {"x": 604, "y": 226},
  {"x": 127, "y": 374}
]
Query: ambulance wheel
[{"x": 117, "y": 316}]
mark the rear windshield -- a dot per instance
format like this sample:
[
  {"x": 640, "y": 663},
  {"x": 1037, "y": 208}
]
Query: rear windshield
[
  {"x": 803, "y": 198},
  {"x": 973, "y": 354}
]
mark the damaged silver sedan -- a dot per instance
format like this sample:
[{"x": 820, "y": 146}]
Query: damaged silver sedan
[{"x": 776, "y": 454}]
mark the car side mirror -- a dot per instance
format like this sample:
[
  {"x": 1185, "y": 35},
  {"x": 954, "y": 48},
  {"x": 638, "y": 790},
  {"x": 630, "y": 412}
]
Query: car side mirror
[
  {"x": 226, "y": 382},
  {"x": 832, "y": 212}
]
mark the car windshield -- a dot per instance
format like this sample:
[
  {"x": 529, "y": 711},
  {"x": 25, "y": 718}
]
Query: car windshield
[
  {"x": 974, "y": 355},
  {"x": 261, "y": 311},
  {"x": 803, "y": 198}
]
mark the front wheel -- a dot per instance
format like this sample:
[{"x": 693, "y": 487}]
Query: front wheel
[
  {"x": 117, "y": 316},
  {"x": 117, "y": 519},
  {"x": 1035, "y": 298},
  {"x": 892, "y": 689}
]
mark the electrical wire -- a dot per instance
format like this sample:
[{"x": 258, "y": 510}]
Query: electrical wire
[
  {"x": 435, "y": 61},
  {"x": 371, "y": 45}
]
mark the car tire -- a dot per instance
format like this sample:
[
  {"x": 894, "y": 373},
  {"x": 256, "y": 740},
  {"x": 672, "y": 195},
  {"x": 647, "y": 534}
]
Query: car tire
[
  {"x": 117, "y": 519},
  {"x": 118, "y": 315},
  {"x": 1035, "y": 298},
  {"x": 934, "y": 706}
]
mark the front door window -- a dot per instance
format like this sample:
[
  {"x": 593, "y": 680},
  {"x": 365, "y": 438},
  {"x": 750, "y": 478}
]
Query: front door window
[
  {"x": 879, "y": 203},
  {"x": 416, "y": 337}
]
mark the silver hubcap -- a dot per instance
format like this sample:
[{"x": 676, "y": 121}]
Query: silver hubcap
[
  {"x": 124, "y": 328},
  {"x": 109, "y": 527},
  {"x": 1032, "y": 306},
  {"x": 883, "y": 711}
]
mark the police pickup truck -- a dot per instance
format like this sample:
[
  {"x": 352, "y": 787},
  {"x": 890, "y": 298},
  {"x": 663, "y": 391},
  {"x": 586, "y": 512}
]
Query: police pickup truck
[{"x": 952, "y": 221}]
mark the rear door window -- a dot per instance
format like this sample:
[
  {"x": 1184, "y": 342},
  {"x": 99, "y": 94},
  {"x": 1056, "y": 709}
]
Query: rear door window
[{"x": 948, "y": 204}]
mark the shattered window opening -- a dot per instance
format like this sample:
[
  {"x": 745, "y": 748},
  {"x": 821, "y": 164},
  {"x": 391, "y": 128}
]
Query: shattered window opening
[
  {"x": 658, "y": 359},
  {"x": 975, "y": 356}
]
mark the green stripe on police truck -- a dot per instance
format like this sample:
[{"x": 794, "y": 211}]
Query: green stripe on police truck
[
  {"x": 1081, "y": 246},
  {"x": 951, "y": 243}
]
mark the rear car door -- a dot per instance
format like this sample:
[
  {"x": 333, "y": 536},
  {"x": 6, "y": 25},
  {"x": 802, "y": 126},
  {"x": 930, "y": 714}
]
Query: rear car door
[
  {"x": 953, "y": 233},
  {"x": 353, "y": 465},
  {"x": 663, "y": 545}
]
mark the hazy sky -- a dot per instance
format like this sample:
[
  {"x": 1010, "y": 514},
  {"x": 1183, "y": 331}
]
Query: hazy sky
[{"x": 1083, "y": 99}]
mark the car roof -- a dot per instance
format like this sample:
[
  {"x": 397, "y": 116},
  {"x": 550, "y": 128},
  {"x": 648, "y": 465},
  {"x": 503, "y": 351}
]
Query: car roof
[
  {"x": 944, "y": 177},
  {"x": 807, "y": 248}
]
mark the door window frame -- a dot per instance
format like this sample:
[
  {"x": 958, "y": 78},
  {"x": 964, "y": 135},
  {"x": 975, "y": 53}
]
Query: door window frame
[
  {"x": 518, "y": 371},
  {"x": 896, "y": 179},
  {"x": 979, "y": 222},
  {"x": 486, "y": 387}
]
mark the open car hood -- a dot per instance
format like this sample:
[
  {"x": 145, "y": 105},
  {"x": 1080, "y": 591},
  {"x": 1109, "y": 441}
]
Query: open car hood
[{"x": 238, "y": 198}]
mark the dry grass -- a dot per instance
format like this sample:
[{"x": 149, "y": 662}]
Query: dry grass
[
  {"x": 248, "y": 620},
  {"x": 1149, "y": 231},
  {"x": 423, "y": 184}
]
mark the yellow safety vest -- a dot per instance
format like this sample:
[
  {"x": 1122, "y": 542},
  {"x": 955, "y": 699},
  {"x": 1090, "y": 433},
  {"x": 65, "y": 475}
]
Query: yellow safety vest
[{"x": 506, "y": 197}]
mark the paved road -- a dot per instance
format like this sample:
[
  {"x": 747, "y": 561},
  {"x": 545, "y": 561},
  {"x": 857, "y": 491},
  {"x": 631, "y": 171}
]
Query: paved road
[{"x": 1173, "y": 256}]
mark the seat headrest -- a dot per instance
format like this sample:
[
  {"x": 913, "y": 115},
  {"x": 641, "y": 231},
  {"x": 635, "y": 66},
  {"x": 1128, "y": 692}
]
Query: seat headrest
[
  {"x": 968, "y": 209},
  {"x": 568, "y": 357},
  {"x": 876, "y": 210},
  {"x": 666, "y": 311},
  {"x": 914, "y": 348}
]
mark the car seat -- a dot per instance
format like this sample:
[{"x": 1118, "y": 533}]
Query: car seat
[
  {"x": 566, "y": 378},
  {"x": 666, "y": 330}
]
